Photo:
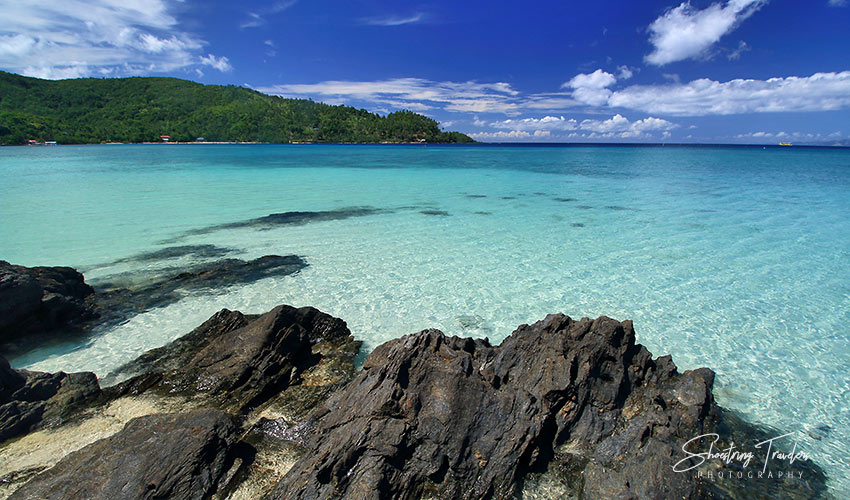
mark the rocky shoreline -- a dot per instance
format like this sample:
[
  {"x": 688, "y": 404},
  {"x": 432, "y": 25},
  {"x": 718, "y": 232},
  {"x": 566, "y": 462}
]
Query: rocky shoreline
[{"x": 271, "y": 406}]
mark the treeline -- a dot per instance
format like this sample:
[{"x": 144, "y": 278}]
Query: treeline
[{"x": 141, "y": 109}]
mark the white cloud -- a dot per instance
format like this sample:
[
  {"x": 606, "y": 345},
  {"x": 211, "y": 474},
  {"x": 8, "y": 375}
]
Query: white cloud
[
  {"x": 616, "y": 126},
  {"x": 819, "y": 92},
  {"x": 256, "y": 19},
  {"x": 597, "y": 80},
  {"x": 769, "y": 137},
  {"x": 685, "y": 32},
  {"x": 73, "y": 38},
  {"x": 513, "y": 135},
  {"x": 625, "y": 72},
  {"x": 394, "y": 20},
  {"x": 837, "y": 3},
  {"x": 16, "y": 45},
  {"x": 545, "y": 123},
  {"x": 411, "y": 93},
  {"x": 220, "y": 63},
  {"x": 592, "y": 97},
  {"x": 736, "y": 54},
  {"x": 591, "y": 88}
]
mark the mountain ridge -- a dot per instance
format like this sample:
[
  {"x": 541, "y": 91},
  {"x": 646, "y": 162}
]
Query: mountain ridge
[{"x": 143, "y": 109}]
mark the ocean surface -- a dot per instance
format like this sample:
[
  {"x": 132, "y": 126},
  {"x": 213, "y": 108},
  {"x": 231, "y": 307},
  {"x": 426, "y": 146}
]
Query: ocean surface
[{"x": 728, "y": 257}]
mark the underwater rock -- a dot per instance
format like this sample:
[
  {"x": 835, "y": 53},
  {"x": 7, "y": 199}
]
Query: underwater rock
[
  {"x": 179, "y": 456},
  {"x": 118, "y": 300},
  {"x": 196, "y": 251},
  {"x": 39, "y": 300},
  {"x": 299, "y": 218},
  {"x": 435, "y": 212}
]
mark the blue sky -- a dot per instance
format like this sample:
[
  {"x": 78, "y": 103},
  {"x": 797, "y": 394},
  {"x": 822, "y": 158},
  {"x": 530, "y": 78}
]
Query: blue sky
[{"x": 750, "y": 71}]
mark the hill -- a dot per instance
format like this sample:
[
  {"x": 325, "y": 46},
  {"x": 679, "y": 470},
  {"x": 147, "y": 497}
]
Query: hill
[{"x": 141, "y": 109}]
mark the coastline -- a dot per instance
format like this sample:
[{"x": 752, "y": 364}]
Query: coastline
[{"x": 276, "y": 404}]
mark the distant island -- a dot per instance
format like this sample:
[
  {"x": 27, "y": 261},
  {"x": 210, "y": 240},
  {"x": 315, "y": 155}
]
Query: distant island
[{"x": 149, "y": 109}]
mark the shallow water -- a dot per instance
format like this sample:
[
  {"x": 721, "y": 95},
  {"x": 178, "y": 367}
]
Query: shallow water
[{"x": 732, "y": 258}]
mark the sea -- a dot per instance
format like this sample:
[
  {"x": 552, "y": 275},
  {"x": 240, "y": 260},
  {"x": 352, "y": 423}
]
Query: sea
[{"x": 735, "y": 258}]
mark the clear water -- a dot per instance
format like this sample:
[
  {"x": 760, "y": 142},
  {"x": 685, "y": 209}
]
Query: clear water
[{"x": 732, "y": 258}]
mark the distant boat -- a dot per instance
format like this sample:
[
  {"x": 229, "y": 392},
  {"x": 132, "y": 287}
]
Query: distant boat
[
  {"x": 49, "y": 143},
  {"x": 784, "y": 143}
]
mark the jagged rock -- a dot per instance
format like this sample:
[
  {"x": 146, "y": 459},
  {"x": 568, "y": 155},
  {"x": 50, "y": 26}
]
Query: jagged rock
[
  {"x": 36, "y": 399},
  {"x": 242, "y": 361},
  {"x": 437, "y": 417},
  {"x": 36, "y": 300},
  {"x": 178, "y": 456}
]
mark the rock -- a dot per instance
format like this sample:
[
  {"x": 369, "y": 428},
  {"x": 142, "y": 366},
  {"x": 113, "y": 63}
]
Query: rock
[
  {"x": 243, "y": 361},
  {"x": 124, "y": 297},
  {"x": 34, "y": 399},
  {"x": 178, "y": 456},
  {"x": 37, "y": 300},
  {"x": 299, "y": 218},
  {"x": 437, "y": 417}
]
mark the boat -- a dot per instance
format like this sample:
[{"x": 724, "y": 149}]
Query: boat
[{"x": 784, "y": 143}]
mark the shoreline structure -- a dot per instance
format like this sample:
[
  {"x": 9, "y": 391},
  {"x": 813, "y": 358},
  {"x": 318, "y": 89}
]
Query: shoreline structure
[{"x": 272, "y": 406}]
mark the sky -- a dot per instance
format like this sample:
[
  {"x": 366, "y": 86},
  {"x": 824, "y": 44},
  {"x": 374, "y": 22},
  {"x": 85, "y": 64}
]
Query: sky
[{"x": 727, "y": 71}]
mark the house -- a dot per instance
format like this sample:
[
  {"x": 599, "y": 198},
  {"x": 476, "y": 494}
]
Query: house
[{"x": 165, "y": 138}]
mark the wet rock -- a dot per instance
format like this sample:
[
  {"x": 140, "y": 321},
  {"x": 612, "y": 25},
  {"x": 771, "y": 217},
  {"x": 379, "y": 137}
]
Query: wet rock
[
  {"x": 243, "y": 361},
  {"x": 159, "y": 456},
  {"x": 436, "y": 417},
  {"x": 39, "y": 300},
  {"x": 29, "y": 400}
]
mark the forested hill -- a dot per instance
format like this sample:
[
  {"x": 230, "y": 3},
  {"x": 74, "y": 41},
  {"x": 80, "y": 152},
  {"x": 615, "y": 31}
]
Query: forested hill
[{"x": 141, "y": 109}]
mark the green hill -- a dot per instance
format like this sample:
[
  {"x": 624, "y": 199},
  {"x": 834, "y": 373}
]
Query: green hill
[{"x": 93, "y": 110}]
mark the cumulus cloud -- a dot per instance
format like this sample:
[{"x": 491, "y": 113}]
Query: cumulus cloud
[
  {"x": 513, "y": 135},
  {"x": 73, "y": 38},
  {"x": 591, "y": 88},
  {"x": 618, "y": 126},
  {"x": 819, "y": 92},
  {"x": 685, "y": 32},
  {"x": 410, "y": 93},
  {"x": 220, "y": 63},
  {"x": 597, "y": 80}
]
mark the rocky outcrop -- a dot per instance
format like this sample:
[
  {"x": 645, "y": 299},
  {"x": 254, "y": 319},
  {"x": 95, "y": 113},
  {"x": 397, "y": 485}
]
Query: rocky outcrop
[
  {"x": 242, "y": 361},
  {"x": 41, "y": 301},
  {"x": 437, "y": 417},
  {"x": 578, "y": 403},
  {"x": 33, "y": 399},
  {"x": 158, "y": 456},
  {"x": 37, "y": 300}
]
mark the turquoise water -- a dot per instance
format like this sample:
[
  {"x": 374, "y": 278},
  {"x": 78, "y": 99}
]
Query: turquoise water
[{"x": 732, "y": 258}]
